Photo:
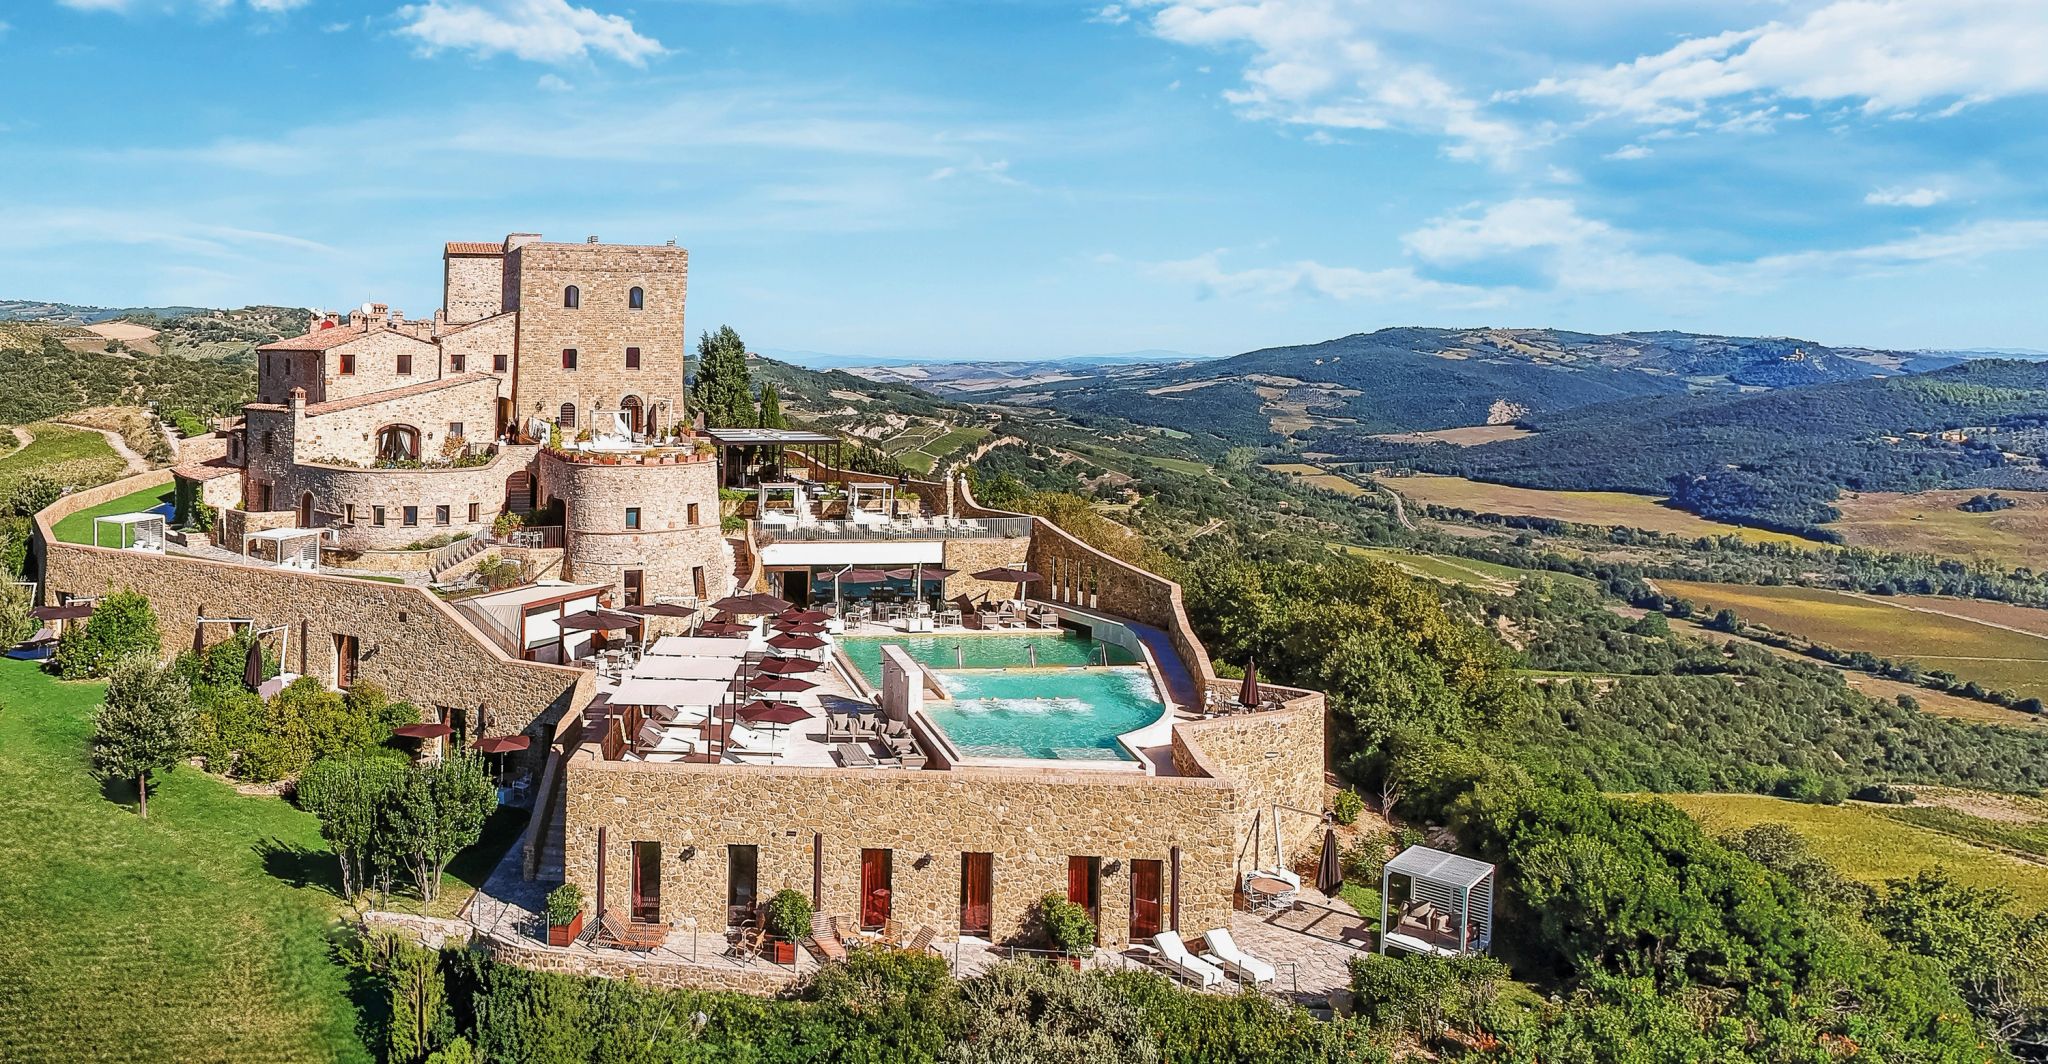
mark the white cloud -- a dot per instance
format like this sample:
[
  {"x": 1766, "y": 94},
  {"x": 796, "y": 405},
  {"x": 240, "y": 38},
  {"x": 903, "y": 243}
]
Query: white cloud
[
  {"x": 996, "y": 172},
  {"x": 1316, "y": 63},
  {"x": 1112, "y": 14},
  {"x": 1631, "y": 152},
  {"x": 553, "y": 83},
  {"x": 1905, "y": 197},
  {"x": 541, "y": 31},
  {"x": 1314, "y": 279},
  {"x": 1887, "y": 57},
  {"x": 204, "y": 7}
]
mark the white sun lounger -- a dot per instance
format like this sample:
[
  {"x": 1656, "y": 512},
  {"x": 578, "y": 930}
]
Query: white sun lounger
[
  {"x": 1223, "y": 952},
  {"x": 1194, "y": 968}
]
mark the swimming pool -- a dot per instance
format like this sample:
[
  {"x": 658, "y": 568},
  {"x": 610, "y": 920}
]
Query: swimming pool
[
  {"x": 1068, "y": 714},
  {"x": 984, "y": 651},
  {"x": 1003, "y": 707}
]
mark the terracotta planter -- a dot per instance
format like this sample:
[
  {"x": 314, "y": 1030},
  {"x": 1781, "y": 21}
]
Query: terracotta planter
[
  {"x": 785, "y": 952},
  {"x": 566, "y": 933},
  {"x": 1074, "y": 963}
]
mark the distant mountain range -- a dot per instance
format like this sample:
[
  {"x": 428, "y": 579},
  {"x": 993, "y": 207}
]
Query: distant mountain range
[{"x": 79, "y": 314}]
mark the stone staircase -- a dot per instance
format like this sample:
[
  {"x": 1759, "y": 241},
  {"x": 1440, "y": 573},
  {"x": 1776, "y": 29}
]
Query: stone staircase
[
  {"x": 446, "y": 559},
  {"x": 519, "y": 493}
]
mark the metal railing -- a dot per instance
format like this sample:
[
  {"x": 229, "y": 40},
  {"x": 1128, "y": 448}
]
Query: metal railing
[{"x": 931, "y": 528}]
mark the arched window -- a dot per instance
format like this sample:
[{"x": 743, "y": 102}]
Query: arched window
[
  {"x": 630, "y": 406},
  {"x": 398, "y": 442},
  {"x": 635, "y": 298},
  {"x": 572, "y": 297},
  {"x": 568, "y": 416}
]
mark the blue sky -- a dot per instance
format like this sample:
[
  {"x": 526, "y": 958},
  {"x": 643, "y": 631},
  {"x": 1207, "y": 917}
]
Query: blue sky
[{"x": 1030, "y": 179}]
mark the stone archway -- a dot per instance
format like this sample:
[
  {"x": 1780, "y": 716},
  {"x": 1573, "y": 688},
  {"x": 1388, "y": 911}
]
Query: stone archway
[{"x": 636, "y": 415}]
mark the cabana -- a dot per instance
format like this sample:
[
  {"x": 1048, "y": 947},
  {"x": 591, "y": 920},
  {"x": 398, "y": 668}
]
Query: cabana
[
  {"x": 291, "y": 548},
  {"x": 1447, "y": 904},
  {"x": 138, "y": 531},
  {"x": 768, "y": 445}
]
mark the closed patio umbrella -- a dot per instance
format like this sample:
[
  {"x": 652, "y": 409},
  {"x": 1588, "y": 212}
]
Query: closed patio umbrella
[
  {"x": 1248, "y": 695},
  {"x": 1329, "y": 871},
  {"x": 252, "y": 666}
]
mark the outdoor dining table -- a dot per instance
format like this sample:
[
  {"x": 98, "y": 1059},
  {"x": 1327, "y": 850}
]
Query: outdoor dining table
[{"x": 1266, "y": 891}]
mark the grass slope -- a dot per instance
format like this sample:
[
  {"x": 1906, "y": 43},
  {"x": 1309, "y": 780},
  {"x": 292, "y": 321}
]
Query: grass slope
[
  {"x": 1602, "y": 508},
  {"x": 1930, "y": 522},
  {"x": 1997, "y": 657},
  {"x": 74, "y": 457},
  {"x": 196, "y": 935},
  {"x": 1866, "y": 844}
]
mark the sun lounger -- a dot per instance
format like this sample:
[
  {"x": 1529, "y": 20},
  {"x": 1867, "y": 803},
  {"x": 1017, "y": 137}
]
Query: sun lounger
[
  {"x": 745, "y": 742},
  {"x": 1185, "y": 964},
  {"x": 921, "y": 941},
  {"x": 824, "y": 940},
  {"x": 1224, "y": 953},
  {"x": 627, "y": 935}
]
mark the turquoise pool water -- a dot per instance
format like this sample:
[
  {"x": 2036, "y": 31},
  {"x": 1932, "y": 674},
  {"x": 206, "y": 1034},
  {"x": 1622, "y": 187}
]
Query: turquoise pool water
[
  {"x": 1070, "y": 714},
  {"x": 983, "y": 651},
  {"x": 1003, "y": 708}
]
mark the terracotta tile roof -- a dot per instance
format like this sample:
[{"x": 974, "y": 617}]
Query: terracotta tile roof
[
  {"x": 211, "y": 469},
  {"x": 475, "y": 247},
  {"x": 325, "y": 339},
  {"x": 373, "y": 398}
]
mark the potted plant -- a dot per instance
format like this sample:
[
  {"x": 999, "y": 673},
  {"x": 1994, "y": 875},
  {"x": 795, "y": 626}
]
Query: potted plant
[
  {"x": 565, "y": 914},
  {"x": 789, "y": 919},
  {"x": 1067, "y": 928}
]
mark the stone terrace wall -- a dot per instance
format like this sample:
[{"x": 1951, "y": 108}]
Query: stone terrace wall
[
  {"x": 1031, "y": 821},
  {"x": 411, "y": 644},
  {"x": 1276, "y": 762}
]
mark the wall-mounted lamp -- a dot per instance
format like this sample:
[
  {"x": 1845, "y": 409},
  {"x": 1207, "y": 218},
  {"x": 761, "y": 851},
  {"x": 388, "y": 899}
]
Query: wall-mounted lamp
[
  {"x": 689, "y": 853},
  {"x": 1112, "y": 867},
  {"x": 923, "y": 862}
]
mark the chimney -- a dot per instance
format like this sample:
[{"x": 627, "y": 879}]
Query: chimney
[
  {"x": 298, "y": 401},
  {"x": 671, "y": 243},
  {"x": 590, "y": 240}
]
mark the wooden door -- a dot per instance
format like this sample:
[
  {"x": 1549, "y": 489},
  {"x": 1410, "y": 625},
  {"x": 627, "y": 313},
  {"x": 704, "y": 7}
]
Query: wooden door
[
  {"x": 742, "y": 879},
  {"x": 647, "y": 882},
  {"x": 977, "y": 889},
  {"x": 344, "y": 661},
  {"x": 874, "y": 889},
  {"x": 1084, "y": 885},
  {"x": 1145, "y": 900}
]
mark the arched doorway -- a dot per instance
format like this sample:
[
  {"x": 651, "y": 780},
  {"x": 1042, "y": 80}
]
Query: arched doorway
[
  {"x": 635, "y": 422},
  {"x": 306, "y": 510},
  {"x": 398, "y": 443}
]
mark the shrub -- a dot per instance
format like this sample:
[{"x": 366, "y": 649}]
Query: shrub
[
  {"x": 505, "y": 524},
  {"x": 564, "y": 902},
  {"x": 17, "y": 619},
  {"x": 1886, "y": 793},
  {"x": 1347, "y": 805},
  {"x": 789, "y": 915},
  {"x": 32, "y": 493},
  {"x": 1065, "y": 925},
  {"x": 1366, "y": 859},
  {"x": 122, "y": 625}
]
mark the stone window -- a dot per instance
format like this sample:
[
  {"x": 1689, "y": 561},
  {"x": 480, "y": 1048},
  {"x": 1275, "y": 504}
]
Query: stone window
[
  {"x": 456, "y": 361},
  {"x": 632, "y": 517},
  {"x": 412, "y": 516},
  {"x": 636, "y": 584},
  {"x": 635, "y": 298},
  {"x": 567, "y": 418},
  {"x": 475, "y": 513},
  {"x": 691, "y": 513},
  {"x": 632, "y": 358},
  {"x": 345, "y": 364},
  {"x": 398, "y": 443},
  {"x": 568, "y": 358},
  {"x": 349, "y": 513},
  {"x": 442, "y": 515},
  {"x": 572, "y": 297},
  {"x": 405, "y": 365},
  {"x": 377, "y": 516},
  {"x": 499, "y": 363},
  {"x": 455, "y": 430},
  {"x": 697, "y": 580},
  {"x": 269, "y": 442}
]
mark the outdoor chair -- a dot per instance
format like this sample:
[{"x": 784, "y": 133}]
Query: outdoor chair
[
  {"x": 1223, "y": 952},
  {"x": 748, "y": 945},
  {"x": 921, "y": 941},
  {"x": 1184, "y": 964},
  {"x": 838, "y": 729},
  {"x": 627, "y": 935}
]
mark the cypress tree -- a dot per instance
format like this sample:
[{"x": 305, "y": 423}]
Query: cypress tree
[
  {"x": 721, "y": 390},
  {"x": 771, "y": 408}
]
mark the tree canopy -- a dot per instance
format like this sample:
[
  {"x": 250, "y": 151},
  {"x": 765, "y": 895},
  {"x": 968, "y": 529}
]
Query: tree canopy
[
  {"x": 144, "y": 727},
  {"x": 720, "y": 390}
]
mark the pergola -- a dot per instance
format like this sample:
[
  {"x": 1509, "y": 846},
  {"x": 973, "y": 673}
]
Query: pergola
[
  {"x": 1448, "y": 907},
  {"x": 137, "y": 531},
  {"x": 293, "y": 548},
  {"x": 799, "y": 504},
  {"x": 776, "y": 440},
  {"x": 883, "y": 496}
]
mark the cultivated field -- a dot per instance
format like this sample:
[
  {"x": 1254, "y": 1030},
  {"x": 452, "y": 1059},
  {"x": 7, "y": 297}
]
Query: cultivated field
[
  {"x": 1469, "y": 572},
  {"x": 1603, "y": 508},
  {"x": 1317, "y": 477},
  {"x": 73, "y": 457},
  {"x": 1996, "y": 657},
  {"x": 1929, "y": 522},
  {"x": 1467, "y": 436},
  {"x": 1864, "y": 843}
]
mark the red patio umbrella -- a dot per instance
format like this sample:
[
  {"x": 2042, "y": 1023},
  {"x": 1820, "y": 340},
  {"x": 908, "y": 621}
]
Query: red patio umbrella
[
  {"x": 781, "y": 685},
  {"x": 788, "y": 666},
  {"x": 1005, "y": 574},
  {"x": 422, "y": 731},
  {"x": 759, "y": 604},
  {"x": 799, "y": 629},
  {"x": 660, "y": 609},
  {"x": 804, "y": 617},
  {"x": 595, "y": 620},
  {"x": 252, "y": 666},
  {"x": 766, "y": 712},
  {"x": 796, "y": 641},
  {"x": 1248, "y": 695},
  {"x": 502, "y": 744},
  {"x": 715, "y": 630}
]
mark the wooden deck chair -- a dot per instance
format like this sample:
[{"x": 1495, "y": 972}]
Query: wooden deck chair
[
  {"x": 626, "y": 935},
  {"x": 921, "y": 941},
  {"x": 748, "y": 945},
  {"x": 824, "y": 940}
]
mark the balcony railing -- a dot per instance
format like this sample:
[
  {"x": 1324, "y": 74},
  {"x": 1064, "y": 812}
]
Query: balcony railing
[{"x": 772, "y": 531}]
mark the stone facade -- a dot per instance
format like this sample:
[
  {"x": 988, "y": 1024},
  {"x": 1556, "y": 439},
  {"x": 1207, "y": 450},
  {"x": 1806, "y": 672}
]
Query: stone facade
[
  {"x": 1030, "y": 821},
  {"x": 677, "y": 557},
  {"x": 409, "y": 642},
  {"x": 600, "y": 328},
  {"x": 472, "y": 282}
]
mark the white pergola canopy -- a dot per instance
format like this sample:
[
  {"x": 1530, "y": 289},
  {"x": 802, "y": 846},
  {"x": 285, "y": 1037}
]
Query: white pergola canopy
[
  {"x": 137, "y": 531},
  {"x": 292, "y": 548},
  {"x": 1449, "y": 910}
]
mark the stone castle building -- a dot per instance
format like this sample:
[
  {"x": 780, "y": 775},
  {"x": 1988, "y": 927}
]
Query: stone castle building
[{"x": 387, "y": 433}]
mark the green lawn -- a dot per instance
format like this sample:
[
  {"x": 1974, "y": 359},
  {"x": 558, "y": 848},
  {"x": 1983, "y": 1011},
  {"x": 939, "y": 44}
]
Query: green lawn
[
  {"x": 199, "y": 934},
  {"x": 74, "y": 457},
  {"x": 77, "y": 528}
]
